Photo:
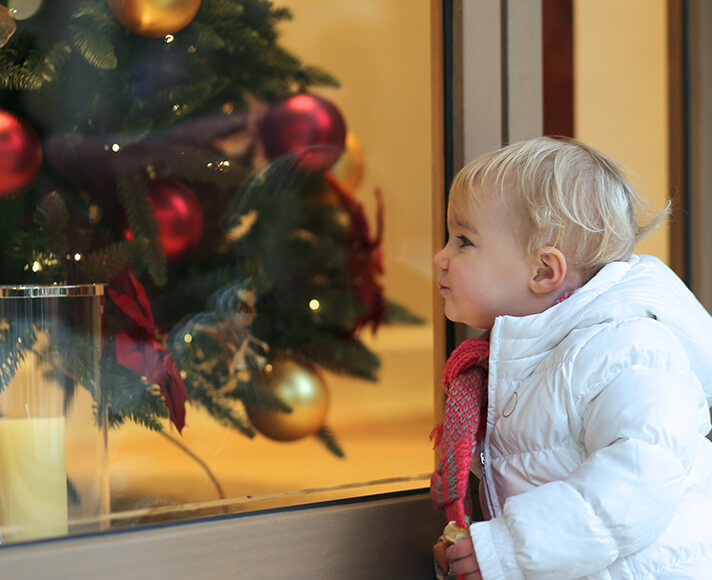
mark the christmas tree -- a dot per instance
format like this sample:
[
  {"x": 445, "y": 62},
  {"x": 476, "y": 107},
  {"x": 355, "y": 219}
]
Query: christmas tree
[{"x": 173, "y": 150}]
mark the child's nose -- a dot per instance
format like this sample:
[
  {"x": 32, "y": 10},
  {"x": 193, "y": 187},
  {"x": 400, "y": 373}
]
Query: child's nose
[{"x": 440, "y": 260}]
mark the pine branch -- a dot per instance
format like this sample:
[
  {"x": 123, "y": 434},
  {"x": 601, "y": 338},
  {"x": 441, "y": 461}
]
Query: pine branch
[
  {"x": 343, "y": 357},
  {"x": 275, "y": 195},
  {"x": 207, "y": 374},
  {"x": 128, "y": 397},
  {"x": 103, "y": 264},
  {"x": 23, "y": 67},
  {"x": 48, "y": 66},
  {"x": 135, "y": 124},
  {"x": 94, "y": 45},
  {"x": 315, "y": 76},
  {"x": 133, "y": 192},
  {"x": 189, "y": 291},
  {"x": 77, "y": 356},
  {"x": 92, "y": 9},
  {"x": 190, "y": 97},
  {"x": 11, "y": 222},
  {"x": 17, "y": 75},
  {"x": 204, "y": 35},
  {"x": 326, "y": 436},
  {"x": 16, "y": 341},
  {"x": 193, "y": 164},
  {"x": 202, "y": 284},
  {"x": 399, "y": 314},
  {"x": 259, "y": 398},
  {"x": 52, "y": 218},
  {"x": 221, "y": 412},
  {"x": 145, "y": 416},
  {"x": 91, "y": 29},
  {"x": 220, "y": 9}
]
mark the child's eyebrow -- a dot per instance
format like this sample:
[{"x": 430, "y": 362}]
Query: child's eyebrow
[{"x": 463, "y": 223}]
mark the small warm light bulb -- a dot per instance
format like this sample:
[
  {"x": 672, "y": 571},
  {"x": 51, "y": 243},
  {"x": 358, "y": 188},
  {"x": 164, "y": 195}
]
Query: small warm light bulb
[
  {"x": 36, "y": 266},
  {"x": 169, "y": 38},
  {"x": 268, "y": 368},
  {"x": 77, "y": 257},
  {"x": 115, "y": 147},
  {"x": 314, "y": 304},
  {"x": 188, "y": 338}
]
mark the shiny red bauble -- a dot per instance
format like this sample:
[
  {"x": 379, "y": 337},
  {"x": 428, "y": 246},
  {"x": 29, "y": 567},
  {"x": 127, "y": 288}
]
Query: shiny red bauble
[
  {"x": 20, "y": 154},
  {"x": 306, "y": 126},
  {"x": 179, "y": 216}
]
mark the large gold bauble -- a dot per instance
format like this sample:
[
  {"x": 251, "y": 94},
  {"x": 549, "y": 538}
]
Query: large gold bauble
[
  {"x": 303, "y": 391},
  {"x": 154, "y": 18},
  {"x": 349, "y": 168}
]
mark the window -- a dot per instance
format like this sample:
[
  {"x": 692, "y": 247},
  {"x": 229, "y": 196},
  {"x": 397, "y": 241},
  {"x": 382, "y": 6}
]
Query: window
[{"x": 255, "y": 190}]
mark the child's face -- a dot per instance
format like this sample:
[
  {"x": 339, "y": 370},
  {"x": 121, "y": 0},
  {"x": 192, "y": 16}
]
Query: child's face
[{"x": 484, "y": 269}]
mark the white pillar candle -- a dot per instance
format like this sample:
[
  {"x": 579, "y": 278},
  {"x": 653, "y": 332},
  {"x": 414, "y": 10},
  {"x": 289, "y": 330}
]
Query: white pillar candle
[{"x": 33, "y": 478}]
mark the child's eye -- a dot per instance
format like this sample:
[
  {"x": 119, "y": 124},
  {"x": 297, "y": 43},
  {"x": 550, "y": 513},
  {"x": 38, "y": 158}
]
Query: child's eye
[{"x": 462, "y": 241}]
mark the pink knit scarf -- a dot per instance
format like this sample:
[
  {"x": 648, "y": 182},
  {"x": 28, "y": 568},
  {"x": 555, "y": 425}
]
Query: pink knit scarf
[{"x": 465, "y": 382}]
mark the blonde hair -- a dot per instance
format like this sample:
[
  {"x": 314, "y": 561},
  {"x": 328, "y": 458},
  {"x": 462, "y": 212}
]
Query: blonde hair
[{"x": 565, "y": 194}]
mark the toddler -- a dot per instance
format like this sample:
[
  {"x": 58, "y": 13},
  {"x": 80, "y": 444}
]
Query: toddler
[{"x": 583, "y": 409}]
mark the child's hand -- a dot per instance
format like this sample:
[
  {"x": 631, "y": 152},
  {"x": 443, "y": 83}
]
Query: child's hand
[
  {"x": 440, "y": 557},
  {"x": 463, "y": 560}
]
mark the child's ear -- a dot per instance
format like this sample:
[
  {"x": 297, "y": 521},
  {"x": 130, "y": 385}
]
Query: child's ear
[{"x": 548, "y": 270}]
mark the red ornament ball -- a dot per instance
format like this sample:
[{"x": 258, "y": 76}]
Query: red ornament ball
[
  {"x": 20, "y": 154},
  {"x": 307, "y": 126},
  {"x": 179, "y": 216}
]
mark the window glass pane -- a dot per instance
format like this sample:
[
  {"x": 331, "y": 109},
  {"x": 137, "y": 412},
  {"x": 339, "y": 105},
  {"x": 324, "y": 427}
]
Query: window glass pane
[{"x": 248, "y": 196}]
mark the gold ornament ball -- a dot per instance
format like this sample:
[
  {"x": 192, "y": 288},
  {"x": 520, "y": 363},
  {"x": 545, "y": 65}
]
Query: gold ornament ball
[
  {"x": 7, "y": 25},
  {"x": 303, "y": 391},
  {"x": 154, "y": 18},
  {"x": 348, "y": 169}
]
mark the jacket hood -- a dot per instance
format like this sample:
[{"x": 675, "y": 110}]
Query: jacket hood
[{"x": 640, "y": 287}]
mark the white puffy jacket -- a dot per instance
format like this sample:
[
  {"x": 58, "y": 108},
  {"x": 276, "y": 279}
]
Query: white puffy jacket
[{"x": 595, "y": 462}]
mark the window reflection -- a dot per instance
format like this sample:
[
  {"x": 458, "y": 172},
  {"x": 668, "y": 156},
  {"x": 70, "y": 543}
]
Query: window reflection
[{"x": 257, "y": 200}]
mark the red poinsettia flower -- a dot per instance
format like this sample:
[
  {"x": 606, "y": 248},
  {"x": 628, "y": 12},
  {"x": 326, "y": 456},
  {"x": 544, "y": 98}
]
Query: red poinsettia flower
[
  {"x": 138, "y": 350},
  {"x": 129, "y": 295}
]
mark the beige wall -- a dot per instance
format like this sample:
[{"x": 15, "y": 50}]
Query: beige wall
[
  {"x": 621, "y": 95},
  {"x": 380, "y": 52}
]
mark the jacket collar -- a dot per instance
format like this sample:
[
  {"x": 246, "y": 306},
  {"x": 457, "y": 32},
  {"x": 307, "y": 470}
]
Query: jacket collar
[
  {"x": 640, "y": 287},
  {"x": 517, "y": 337}
]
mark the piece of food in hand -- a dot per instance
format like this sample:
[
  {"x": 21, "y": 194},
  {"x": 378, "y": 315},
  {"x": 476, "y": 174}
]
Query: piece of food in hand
[{"x": 453, "y": 534}]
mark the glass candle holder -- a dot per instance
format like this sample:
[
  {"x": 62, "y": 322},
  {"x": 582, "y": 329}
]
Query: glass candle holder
[{"x": 53, "y": 419}]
